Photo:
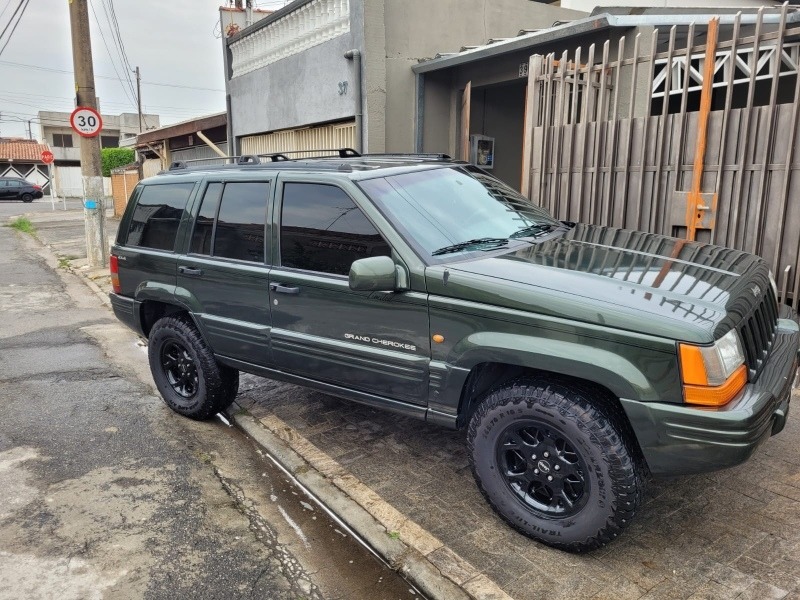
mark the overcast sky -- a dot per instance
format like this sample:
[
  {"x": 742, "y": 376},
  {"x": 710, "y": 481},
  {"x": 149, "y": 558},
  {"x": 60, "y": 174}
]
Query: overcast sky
[{"x": 173, "y": 42}]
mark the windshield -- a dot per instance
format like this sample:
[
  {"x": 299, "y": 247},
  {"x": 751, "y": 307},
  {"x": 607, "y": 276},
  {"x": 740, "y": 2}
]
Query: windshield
[{"x": 457, "y": 209}]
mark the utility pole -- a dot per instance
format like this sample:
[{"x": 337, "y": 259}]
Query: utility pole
[
  {"x": 94, "y": 202},
  {"x": 139, "y": 97}
]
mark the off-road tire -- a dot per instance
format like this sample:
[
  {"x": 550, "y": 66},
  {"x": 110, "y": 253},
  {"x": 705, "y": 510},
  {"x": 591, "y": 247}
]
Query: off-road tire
[
  {"x": 594, "y": 425},
  {"x": 27, "y": 198},
  {"x": 216, "y": 385}
]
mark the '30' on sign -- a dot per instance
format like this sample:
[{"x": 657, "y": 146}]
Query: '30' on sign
[{"x": 86, "y": 121}]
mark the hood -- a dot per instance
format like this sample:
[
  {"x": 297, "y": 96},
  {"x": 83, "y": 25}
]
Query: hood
[{"x": 629, "y": 280}]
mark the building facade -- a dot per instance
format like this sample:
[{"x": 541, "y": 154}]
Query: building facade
[
  {"x": 65, "y": 143},
  {"x": 331, "y": 73}
]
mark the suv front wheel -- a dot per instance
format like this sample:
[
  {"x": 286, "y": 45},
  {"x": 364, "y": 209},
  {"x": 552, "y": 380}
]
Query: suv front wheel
[
  {"x": 185, "y": 371},
  {"x": 553, "y": 460}
]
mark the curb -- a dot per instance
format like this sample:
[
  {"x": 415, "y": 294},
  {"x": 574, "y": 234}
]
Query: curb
[
  {"x": 403, "y": 544},
  {"x": 406, "y": 547}
]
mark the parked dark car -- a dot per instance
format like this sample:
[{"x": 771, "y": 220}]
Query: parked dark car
[
  {"x": 580, "y": 360},
  {"x": 16, "y": 188}
]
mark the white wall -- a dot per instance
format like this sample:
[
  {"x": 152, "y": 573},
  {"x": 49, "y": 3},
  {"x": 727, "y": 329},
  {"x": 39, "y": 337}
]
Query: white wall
[
  {"x": 69, "y": 183},
  {"x": 590, "y": 5}
]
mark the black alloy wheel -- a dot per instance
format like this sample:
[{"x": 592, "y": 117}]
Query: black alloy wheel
[
  {"x": 179, "y": 369},
  {"x": 185, "y": 370},
  {"x": 557, "y": 460},
  {"x": 542, "y": 468}
]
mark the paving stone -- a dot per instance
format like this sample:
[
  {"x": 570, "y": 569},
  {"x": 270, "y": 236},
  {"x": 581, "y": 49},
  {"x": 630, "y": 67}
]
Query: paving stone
[{"x": 725, "y": 534}]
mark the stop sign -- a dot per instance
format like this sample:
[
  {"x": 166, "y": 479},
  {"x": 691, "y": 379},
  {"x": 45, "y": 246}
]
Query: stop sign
[{"x": 47, "y": 157}]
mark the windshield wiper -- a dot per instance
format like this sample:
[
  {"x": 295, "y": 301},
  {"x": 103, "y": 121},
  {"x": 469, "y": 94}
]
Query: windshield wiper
[
  {"x": 533, "y": 230},
  {"x": 464, "y": 245}
]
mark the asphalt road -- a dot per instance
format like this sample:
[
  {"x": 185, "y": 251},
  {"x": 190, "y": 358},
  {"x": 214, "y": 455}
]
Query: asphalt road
[{"x": 105, "y": 493}]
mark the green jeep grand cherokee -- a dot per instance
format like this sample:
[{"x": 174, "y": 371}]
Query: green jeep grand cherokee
[{"x": 580, "y": 359}]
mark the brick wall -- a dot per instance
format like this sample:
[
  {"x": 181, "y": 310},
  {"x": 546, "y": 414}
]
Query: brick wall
[{"x": 121, "y": 187}]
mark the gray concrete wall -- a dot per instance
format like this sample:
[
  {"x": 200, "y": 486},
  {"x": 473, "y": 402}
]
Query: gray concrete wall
[
  {"x": 499, "y": 112},
  {"x": 297, "y": 90},
  {"x": 504, "y": 69},
  {"x": 418, "y": 29}
]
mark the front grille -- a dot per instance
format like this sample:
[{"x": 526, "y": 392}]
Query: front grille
[{"x": 758, "y": 333}]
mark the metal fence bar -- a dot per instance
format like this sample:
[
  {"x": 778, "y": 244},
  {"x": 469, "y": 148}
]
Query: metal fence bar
[
  {"x": 629, "y": 140},
  {"x": 766, "y": 153},
  {"x": 787, "y": 176},
  {"x": 588, "y": 91},
  {"x": 737, "y": 199},
  {"x": 561, "y": 94},
  {"x": 598, "y": 136},
  {"x": 662, "y": 138},
  {"x": 608, "y": 215},
  {"x": 645, "y": 127},
  {"x": 725, "y": 120}
]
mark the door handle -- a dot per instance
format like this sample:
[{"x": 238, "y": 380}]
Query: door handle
[
  {"x": 190, "y": 271},
  {"x": 284, "y": 289}
]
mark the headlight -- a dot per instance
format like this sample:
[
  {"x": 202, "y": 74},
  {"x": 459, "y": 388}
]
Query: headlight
[{"x": 713, "y": 375}]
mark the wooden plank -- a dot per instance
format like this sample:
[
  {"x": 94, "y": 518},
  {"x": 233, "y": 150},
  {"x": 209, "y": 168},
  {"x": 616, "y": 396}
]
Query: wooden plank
[
  {"x": 612, "y": 152},
  {"x": 594, "y": 199},
  {"x": 558, "y": 132},
  {"x": 466, "y": 101},
  {"x": 532, "y": 106},
  {"x": 629, "y": 140},
  {"x": 572, "y": 129}
]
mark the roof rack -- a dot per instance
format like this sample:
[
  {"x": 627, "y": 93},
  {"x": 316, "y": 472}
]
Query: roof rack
[
  {"x": 332, "y": 153},
  {"x": 244, "y": 159}
]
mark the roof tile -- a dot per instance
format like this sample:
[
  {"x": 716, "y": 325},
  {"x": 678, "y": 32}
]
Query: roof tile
[{"x": 22, "y": 150}]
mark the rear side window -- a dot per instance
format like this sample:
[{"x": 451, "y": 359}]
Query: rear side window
[
  {"x": 323, "y": 230},
  {"x": 157, "y": 215},
  {"x": 232, "y": 220}
]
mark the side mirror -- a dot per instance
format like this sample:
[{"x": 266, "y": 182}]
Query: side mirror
[{"x": 375, "y": 274}]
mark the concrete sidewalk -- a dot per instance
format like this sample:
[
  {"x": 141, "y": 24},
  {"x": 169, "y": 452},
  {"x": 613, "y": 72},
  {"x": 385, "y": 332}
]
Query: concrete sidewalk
[{"x": 406, "y": 487}]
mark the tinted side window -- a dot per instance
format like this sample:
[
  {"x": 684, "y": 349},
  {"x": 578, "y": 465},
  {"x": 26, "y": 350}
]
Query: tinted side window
[
  {"x": 323, "y": 230},
  {"x": 158, "y": 212},
  {"x": 240, "y": 225},
  {"x": 204, "y": 224}
]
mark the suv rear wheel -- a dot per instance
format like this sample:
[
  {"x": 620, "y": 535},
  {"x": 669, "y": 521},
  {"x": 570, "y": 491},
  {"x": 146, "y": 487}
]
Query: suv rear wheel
[
  {"x": 554, "y": 464},
  {"x": 185, "y": 371}
]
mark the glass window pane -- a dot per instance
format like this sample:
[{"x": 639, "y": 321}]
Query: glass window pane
[
  {"x": 204, "y": 224},
  {"x": 323, "y": 230},
  {"x": 451, "y": 205},
  {"x": 241, "y": 222},
  {"x": 158, "y": 214}
]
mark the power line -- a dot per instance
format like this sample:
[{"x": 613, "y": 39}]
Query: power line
[
  {"x": 11, "y": 35},
  {"x": 52, "y": 70},
  {"x": 108, "y": 51},
  {"x": 116, "y": 37}
]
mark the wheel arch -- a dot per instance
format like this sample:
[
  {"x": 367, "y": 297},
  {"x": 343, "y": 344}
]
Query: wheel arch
[{"x": 150, "y": 311}]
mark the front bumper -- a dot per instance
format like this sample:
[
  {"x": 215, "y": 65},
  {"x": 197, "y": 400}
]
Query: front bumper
[{"x": 677, "y": 439}]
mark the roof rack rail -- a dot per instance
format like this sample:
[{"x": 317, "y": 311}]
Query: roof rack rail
[
  {"x": 342, "y": 152},
  {"x": 434, "y": 155},
  {"x": 244, "y": 159}
]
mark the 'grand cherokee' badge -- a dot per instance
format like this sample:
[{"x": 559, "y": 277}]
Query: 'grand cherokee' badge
[{"x": 756, "y": 291}]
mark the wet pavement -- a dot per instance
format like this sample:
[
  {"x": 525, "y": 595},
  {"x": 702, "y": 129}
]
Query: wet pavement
[
  {"x": 105, "y": 493},
  {"x": 731, "y": 534}
]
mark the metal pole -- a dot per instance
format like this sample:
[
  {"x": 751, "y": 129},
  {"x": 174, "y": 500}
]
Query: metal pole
[
  {"x": 355, "y": 56},
  {"x": 52, "y": 183},
  {"x": 94, "y": 204},
  {"x": 139, "y": 97}
]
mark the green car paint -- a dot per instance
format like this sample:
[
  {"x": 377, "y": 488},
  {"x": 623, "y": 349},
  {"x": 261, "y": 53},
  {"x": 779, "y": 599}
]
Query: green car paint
[{"x": 595, "y": 303}]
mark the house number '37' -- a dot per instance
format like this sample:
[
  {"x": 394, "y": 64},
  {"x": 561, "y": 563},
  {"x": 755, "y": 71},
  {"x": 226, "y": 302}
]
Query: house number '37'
[{"x": 342, "y": 88}]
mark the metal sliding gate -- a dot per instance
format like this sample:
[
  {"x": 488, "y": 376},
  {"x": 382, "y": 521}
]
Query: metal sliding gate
[{"x": 697, "y": 140}]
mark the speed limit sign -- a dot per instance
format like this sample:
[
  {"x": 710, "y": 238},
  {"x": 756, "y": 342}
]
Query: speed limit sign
[{"x": 86, "y": 121}]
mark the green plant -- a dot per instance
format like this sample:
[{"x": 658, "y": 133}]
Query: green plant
[
  {"x": 111, "y": 158},
  {"x": 22, "y": 224},
  {"x": 395, "y": 535}
]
